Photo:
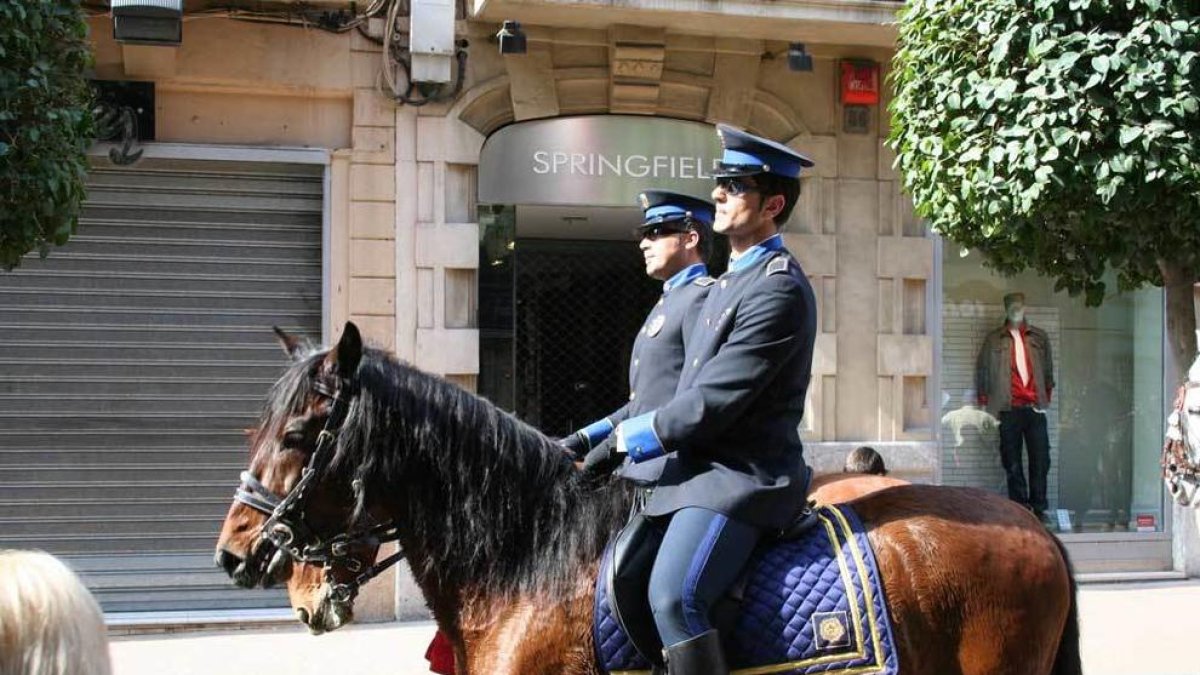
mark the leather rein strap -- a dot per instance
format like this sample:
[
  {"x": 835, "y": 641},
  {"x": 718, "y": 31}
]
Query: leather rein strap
[{"x": 286, "y": 528}]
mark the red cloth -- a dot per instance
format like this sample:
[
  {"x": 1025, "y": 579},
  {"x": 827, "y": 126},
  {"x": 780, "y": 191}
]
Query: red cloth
[
  {"x": 1023, "y": 393},
  {"x": 440, "y": 655}
]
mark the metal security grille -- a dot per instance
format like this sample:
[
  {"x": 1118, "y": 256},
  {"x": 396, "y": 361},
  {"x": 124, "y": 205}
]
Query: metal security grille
[
  {"x": 133, "y": 359},
  {"x": 579, "y": 307}
]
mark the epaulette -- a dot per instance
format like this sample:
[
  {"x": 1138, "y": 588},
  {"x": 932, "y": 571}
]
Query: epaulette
[
  {"x": 778, "y": 265},
  {"x": 704, "y": 281}
]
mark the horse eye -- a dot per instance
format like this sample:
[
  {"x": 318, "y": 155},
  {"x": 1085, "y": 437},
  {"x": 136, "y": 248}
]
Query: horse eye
[{"x": 292, "y": 440}]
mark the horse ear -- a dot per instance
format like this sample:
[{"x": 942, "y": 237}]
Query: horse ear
[
  {"x": 290, "y": 343},
  {"x": 348, "y": 351}
]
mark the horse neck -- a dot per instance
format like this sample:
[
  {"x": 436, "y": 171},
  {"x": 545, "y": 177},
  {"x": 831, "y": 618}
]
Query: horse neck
[{"x": 481, "y": 499}]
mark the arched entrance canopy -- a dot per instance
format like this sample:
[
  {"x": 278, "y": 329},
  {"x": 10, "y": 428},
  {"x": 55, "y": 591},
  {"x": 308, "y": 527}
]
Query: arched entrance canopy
[{"x": 596, "y": 160}]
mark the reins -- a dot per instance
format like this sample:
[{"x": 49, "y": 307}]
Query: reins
[{"x": 286, "y": 528}]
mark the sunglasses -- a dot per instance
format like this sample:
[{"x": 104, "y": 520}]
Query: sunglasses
[
  {"x": 736, "y": 186},
  {"x": 655, "y": 232}
]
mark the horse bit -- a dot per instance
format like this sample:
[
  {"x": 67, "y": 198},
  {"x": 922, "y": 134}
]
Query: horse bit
[{"x": 287, "y": 530}]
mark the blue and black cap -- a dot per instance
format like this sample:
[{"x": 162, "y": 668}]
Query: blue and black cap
[
  {"x": 746, "y": 155},
  {"x": 672, "y": 211}
]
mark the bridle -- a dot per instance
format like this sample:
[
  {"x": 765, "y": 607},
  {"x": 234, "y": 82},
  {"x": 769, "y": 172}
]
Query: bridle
[
  {"x": 288, "y": 532},
  {"x": 1179, "y": 468}
]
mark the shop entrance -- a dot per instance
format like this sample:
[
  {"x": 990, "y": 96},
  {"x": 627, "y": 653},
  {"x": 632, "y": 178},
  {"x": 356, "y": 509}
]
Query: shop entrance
[
  {"x": 562, "y": 286},
  {"x": 558, "y": 315},
  {"x": 579, "y": 305}
]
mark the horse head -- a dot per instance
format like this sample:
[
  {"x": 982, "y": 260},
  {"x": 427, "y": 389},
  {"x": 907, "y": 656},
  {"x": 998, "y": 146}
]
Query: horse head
[
  {"x": 1181, "y": 451},
  {"x": 356, "y": 448},
  {"x": 294, "y": 519}
]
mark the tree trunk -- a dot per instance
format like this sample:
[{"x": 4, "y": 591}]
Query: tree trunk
[{"x": 1179, "y": 283}]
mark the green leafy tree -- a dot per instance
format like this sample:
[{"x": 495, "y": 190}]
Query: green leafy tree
[
  {"x": 46, "y": 124},
  {"x": 1059, "y": 136}
]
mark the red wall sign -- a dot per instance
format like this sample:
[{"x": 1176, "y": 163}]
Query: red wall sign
[{"x": 860, "y": 82}]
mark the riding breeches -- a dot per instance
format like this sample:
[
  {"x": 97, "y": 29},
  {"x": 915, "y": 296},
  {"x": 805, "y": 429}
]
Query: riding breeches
[{"x": 701, "y": 555}]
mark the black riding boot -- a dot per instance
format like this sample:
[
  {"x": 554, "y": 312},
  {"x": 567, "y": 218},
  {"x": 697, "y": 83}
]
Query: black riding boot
[{"x": 700, "y": 655}]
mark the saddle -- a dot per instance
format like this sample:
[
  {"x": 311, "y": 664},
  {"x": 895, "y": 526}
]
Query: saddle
[
  {"x": 809, "y": 602},
  {"x": 626, "y": 580}
]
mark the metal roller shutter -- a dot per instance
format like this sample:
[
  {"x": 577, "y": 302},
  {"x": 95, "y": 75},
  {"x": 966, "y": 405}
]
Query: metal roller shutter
[{"x": 133, "y": 359}]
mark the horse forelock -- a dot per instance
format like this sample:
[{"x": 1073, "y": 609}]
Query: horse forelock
[
  {"x": 482, "y": 497},
  {"x": 288, "y": 397}
]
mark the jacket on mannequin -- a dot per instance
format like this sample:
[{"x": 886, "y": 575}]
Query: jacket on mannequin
[{"x": 994, "y": 367}]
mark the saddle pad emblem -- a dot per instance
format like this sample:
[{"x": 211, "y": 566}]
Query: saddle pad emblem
[
  {"x": 812, "y": 605},
  {"x": 830, "y": 631}
]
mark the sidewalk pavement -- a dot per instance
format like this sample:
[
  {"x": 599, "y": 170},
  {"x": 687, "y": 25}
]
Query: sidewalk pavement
[{"x": 1128, "y": 629}]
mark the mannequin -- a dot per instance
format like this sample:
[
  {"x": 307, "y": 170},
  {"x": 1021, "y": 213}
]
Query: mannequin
[{"x": 1014, "y": 378}]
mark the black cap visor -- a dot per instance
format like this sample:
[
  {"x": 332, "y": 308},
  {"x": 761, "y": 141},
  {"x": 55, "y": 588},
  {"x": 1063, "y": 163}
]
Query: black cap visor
[
  {"x": 738, "y": 170},
  {"x": 663, "y": 223}
]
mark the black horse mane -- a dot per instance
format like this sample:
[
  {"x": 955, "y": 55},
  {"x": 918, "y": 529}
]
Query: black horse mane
[{"x": 480, "y": 497}]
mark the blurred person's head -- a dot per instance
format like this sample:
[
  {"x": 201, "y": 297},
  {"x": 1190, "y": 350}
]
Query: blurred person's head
[
  {"x": 864, "y": 459},
  {"x": 49, "y": 623}
]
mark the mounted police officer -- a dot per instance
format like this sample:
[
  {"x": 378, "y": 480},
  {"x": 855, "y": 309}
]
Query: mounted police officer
[
  {"x": 675, "y": 239},
  {"x": 733, "y": 470}
]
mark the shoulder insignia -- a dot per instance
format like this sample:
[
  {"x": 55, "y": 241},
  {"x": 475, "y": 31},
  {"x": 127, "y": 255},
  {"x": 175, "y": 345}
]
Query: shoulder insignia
[
  {"x": 704, "y": 281},
  {"x": 778, "y": 266}
]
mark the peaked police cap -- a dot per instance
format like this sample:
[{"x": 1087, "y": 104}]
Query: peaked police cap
[{"x": 746, "y": 154}]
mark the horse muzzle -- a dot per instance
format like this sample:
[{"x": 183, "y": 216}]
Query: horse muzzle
[
  {"x": 256, "y": 569},
  {"x": 330, "y": 614},
  {"x": 235, "y": 567}
]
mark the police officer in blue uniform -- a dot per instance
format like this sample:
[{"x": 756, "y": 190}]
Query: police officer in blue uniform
[
  {"x": 734, "y": 470},
  {"x": 675, "y": 239}
]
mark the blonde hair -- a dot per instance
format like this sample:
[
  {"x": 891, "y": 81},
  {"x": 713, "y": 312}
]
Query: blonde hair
[{"x": 49, "y": 623}]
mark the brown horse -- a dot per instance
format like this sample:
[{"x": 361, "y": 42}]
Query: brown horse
[{"x": 503, "y": 537}]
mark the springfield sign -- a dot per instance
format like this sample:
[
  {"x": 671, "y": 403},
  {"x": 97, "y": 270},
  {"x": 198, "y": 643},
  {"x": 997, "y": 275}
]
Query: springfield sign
[{"x": 601, "y": 160}]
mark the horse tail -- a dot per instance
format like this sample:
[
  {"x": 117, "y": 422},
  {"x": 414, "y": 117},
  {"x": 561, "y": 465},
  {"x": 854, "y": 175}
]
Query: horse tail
[{"x": 1067, "y": 660}]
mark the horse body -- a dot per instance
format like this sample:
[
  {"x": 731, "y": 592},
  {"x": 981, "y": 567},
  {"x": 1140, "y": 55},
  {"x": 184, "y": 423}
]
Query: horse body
[
  {"x": 982, "y": 627},
  {"x": 504, "y": 539},
  {"x": 972, "y": 570}
]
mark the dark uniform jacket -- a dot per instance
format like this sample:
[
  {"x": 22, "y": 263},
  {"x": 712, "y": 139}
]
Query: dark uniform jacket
[
  {"x": 732, "y": 432},
  {"x": 993, "y": 368},
  {"x": 657, "y": 357}
]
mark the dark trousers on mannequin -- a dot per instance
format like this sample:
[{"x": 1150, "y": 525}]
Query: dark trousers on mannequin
[{"x": 1025, "y": 426}]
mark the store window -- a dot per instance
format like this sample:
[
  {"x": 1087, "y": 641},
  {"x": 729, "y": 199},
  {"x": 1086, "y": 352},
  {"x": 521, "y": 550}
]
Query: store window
[{"x": 1085, "y": 403}]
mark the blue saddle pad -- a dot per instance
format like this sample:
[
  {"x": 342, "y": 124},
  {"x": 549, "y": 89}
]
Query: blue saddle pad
[{"x": 811, "y": 605}]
